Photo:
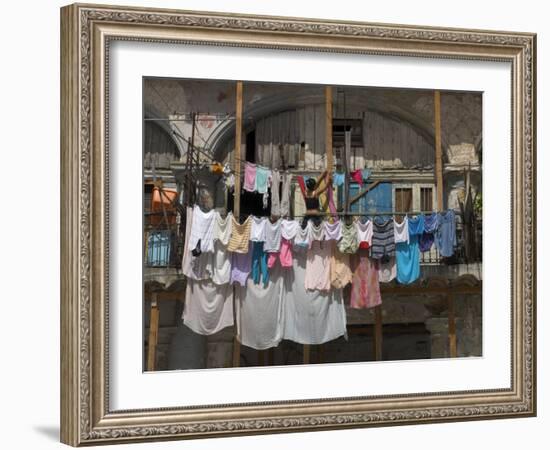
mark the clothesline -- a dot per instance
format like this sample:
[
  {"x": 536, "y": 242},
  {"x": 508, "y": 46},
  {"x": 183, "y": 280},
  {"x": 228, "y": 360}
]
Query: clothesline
[{"x": 369, "y": 213}]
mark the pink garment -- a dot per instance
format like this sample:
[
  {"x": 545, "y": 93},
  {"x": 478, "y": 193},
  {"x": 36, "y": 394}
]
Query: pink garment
[
  {"x": 365, "y": 287},
  {"x": 357, "y": 175},
  {"x": 284, "y": 255},
  {"x": 331, "y": 205},
  {"x": 249, "y": 177},
  {"x": 318, "y": 266}
]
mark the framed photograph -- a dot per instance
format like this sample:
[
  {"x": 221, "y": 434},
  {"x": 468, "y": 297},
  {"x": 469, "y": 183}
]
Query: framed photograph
[{"x": 276, "y": 224}]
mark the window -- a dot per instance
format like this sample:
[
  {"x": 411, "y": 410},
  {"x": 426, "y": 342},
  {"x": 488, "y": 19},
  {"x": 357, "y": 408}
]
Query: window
[
  {"x": 426, "y": 199},
  {"x": 403, "y": 199}
]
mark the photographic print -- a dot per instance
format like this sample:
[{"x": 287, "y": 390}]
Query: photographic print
[{"x": 347, "y": 227}]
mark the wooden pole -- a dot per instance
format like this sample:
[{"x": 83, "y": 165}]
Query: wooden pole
[
  {"x": 438, "y": 156},
  {"x": 452, "y": 325},
  {"x": 307, "y": 352},
  {"x": 237, "y": 196},
  {"x": 378, "y": 333},
  {"x": 328, "y": 128},
  {"x": 237, "y": 152},
  {"x": 153, "y": 333}
]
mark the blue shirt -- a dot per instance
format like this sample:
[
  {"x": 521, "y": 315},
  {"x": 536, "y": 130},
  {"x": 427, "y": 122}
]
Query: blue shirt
[
  {"x": 445, "y": 236},
  {"x": 416, "y": 225}
]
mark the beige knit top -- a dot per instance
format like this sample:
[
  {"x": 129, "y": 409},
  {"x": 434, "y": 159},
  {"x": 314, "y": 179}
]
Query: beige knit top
[{"x": 240, "y": 236}]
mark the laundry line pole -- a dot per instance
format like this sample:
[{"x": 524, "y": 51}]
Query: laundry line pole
[
  {"x": 237, "y": 198},
  {"x": 438, "y": 151}
]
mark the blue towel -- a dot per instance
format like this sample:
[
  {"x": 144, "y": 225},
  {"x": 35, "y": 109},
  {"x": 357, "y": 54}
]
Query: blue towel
[{"x": 407, "y": 260}]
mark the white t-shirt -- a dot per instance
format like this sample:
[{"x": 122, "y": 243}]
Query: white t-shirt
[
  {"x": 223, "y": 228},
  {"x": 289, "y": 229},
  {"x": 202, "y": 228},
  {"x": 401, "y": 230},
  {"x": 257, "y": 230},
  {"x": 364, "y": 232},
  {"x": 221, "y": 264},
  {"x": 273, "y": 234}
]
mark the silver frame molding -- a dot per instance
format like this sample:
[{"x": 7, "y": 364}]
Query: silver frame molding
[{"x": 86, "y": 31}]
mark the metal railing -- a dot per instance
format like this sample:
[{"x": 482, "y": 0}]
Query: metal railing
[{"x": 163, "y": 240}]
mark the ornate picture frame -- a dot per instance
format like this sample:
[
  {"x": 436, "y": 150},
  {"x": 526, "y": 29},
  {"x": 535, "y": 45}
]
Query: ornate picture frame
[{"x": 87, "y": 32}]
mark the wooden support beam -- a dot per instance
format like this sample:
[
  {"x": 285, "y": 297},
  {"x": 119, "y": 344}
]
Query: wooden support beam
[
  {"x": 237, "y": 195},
  {"x": 438, "y": 152},
  {"x": 236, "y": 351},
  {"x": 422, "y": 290},
  {"x": 328, "y": 128},
  {"x": 307, "y": 353},
  {"x": 452, "y": 325},
  {"x": 237, "y": 151},
  {"x": 153, "y": 333},
  {"x": 378, "y": 333},
  {"x": 166, "y": 295}
]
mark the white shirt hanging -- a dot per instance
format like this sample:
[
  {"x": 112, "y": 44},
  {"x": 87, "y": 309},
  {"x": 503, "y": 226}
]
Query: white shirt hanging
[
  {"x": 223, "y": 228},
  {"x": 202, "y": 228},
  {"x": 401, "y": 231},
  {"x": 364, "y": 231},
  {"x": 289, "y": 229},
  {"x": 273, "y": 234},
  {"x": 257, "y": 230}
]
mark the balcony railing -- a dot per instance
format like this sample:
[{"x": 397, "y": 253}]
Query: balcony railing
[{"x": 163, "y": 240}]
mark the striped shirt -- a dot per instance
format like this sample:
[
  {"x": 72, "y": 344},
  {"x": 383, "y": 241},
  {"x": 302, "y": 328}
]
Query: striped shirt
[
  {"x": 238, "y": 242},
  {"x": 383, "y": 240}
]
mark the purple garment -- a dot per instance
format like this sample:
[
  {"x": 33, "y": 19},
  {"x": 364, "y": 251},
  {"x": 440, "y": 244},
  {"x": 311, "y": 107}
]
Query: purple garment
[
  {"x": 431, "y": 225},
  {"x": 241, "y": 264},
  {"x": 426, "y": 241}
]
